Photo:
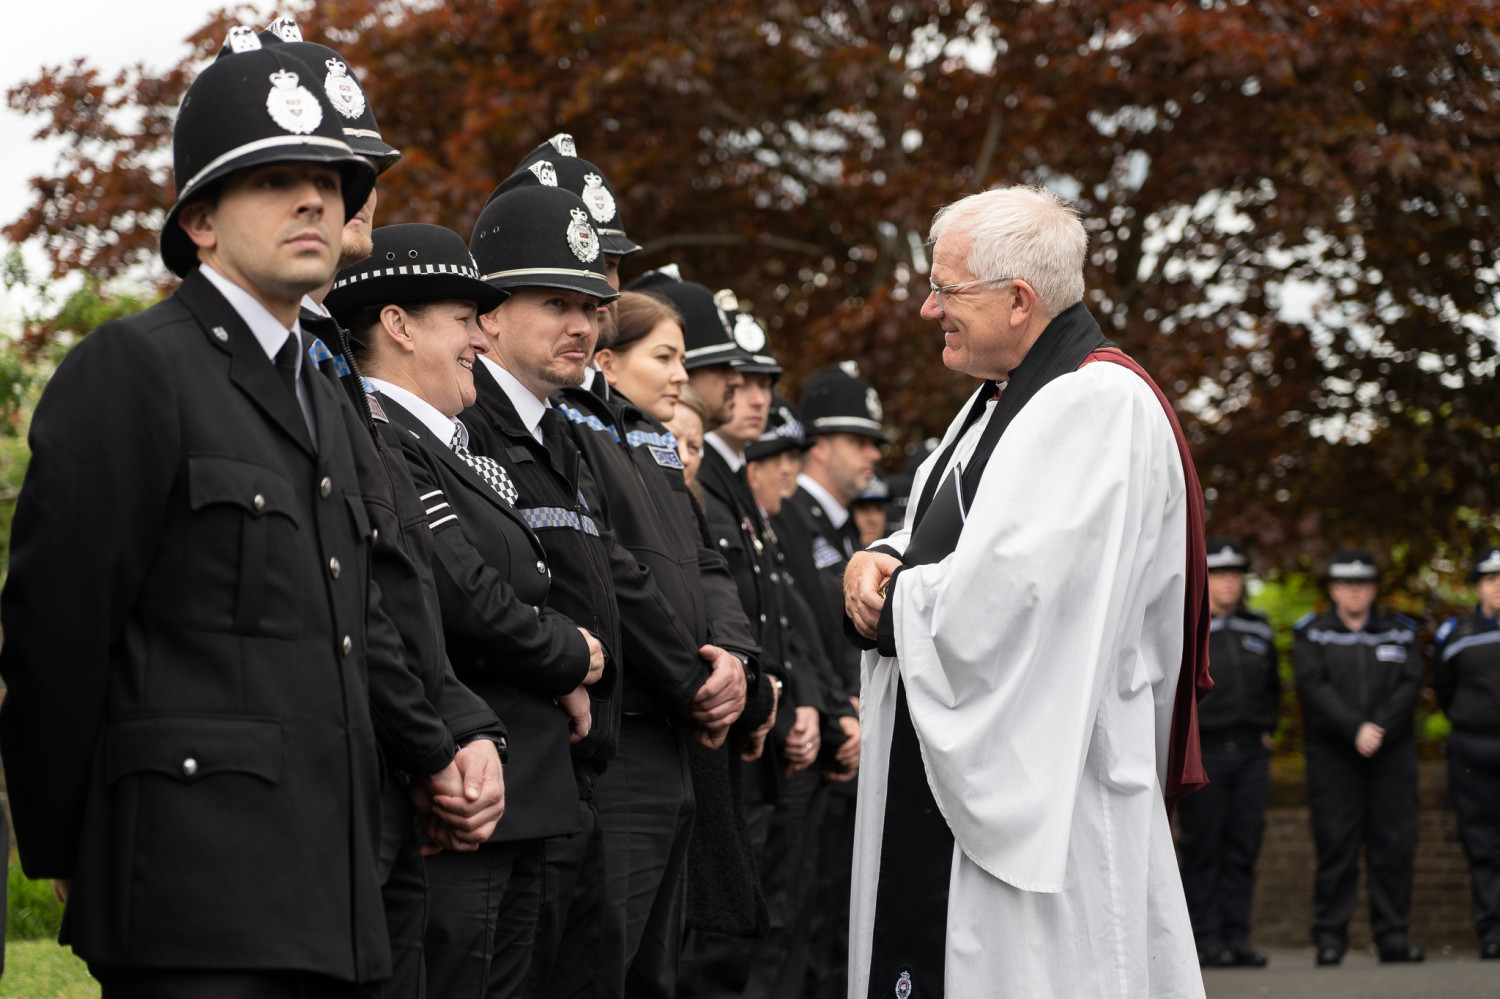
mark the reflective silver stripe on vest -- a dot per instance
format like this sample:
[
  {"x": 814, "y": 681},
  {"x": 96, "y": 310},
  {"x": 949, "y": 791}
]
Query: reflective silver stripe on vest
[
  {"x": 1330, "y": 637},
  {"x": 1468, "y": 642}
]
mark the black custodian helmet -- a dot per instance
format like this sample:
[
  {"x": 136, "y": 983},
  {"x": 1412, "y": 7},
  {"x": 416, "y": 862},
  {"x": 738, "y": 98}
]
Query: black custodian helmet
[
  {"x": 249, "y": 110},
  {"x": 540, "y": 237}
]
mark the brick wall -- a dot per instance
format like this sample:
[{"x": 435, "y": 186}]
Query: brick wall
[{"x": 1284, "y": 875}]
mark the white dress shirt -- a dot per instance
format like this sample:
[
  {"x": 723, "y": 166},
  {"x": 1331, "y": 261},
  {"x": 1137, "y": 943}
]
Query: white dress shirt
[
  {"x": 528, "y": 407},
  {"x": 268, "y": 332}
]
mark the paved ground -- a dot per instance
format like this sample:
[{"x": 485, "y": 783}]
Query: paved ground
[{"x": 1292, "y": 975}]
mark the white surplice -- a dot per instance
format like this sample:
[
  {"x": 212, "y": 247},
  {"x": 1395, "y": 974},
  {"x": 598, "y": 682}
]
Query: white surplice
[{"x": 1040, "y": 661}]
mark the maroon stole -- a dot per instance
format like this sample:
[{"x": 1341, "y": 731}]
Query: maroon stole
[{"x": 1185, "y": 772}]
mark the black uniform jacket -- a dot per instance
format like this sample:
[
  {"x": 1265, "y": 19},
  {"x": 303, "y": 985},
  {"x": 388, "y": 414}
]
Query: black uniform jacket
[
  {"x": 551, "y": 501},
  {"x": 726, "y": 625},
  {"x": 653, "y": 559},
  {"x": 492, "y": 579},
  {"x": 1247, "y": 686},
  {"x": 1468, "y": 672},
  {"x": 1346, "y": 678},
  {"x": 818, "y": 559},
  {"x": 401, "y": 547},
  {"x": 188, "y": 732}
]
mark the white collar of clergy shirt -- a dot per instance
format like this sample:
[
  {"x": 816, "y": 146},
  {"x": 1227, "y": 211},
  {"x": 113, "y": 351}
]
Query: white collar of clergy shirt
[
  {"x": 442, "y": 427},
  {"x": 269, "y": 332},
  {"x": 837, "y": 512},
  {"x": 528, "y": 407}
]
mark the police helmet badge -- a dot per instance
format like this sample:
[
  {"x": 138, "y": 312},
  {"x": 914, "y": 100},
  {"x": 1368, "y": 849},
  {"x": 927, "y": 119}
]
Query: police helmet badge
[
  {"x": 343, "y": 90},
  {"x": 286, "y": 29},
  {"x": 903, "y": 985},
  {"x": 724, "y": 299},
  {"x": 563, "y": 143},
  {"x": 241, "y": 39},
  {"x": 670, "y": 270},
  {"x": 291, "y": 105},
  {"x": 601, "y": 203},
  {"x": 872, "y": 405},
  {"x": 850, "y": 368},
  {"x": 582, "y": 239},
  {"x": 545, "y": 172},
  {"x": 748, "y": 334}
]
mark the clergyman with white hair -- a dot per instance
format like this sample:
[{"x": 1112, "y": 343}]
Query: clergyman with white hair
[{"x": 1037, "y": 637}]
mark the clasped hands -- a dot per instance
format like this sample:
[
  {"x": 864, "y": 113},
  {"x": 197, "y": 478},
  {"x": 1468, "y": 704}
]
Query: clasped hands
[
  {"x": 865, "y": 579},
  {"x": 459, "y": 805}
]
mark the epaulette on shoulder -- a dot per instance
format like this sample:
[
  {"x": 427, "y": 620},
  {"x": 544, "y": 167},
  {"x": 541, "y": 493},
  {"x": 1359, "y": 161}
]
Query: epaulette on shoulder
[
  {"x": 1404, "y": 621},
  {"x": 1446, "y": 629},
  {"x": 1305, "y": 620}
]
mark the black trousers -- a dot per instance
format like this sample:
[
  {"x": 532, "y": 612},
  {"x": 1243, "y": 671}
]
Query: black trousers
[
  {"x": 151, "y": 983},
  {"x": 567, "y": 875},
  {"x": 645, "y": 802},
  {"x": 1371, "y": 802},
  {"x": 1474, "y": 783},
  {"x": 717, "y": 965},
  {"x": 482, "y": 921},
  {"x": 829, "y": 949},
  {"x": 403, "y": 891},
  {"x": 1219, "y": 834}
]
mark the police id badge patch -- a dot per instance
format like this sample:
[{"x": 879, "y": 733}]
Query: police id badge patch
[
  {"x": 824, "y": 554},
  {"x": 1390, "y": 653},
  {"x": 582, "y": 239},
  {"x": 666, "y": 457},
  {"x": 342, "y": 90},
  {"x": 291, "y": 105},
  {"x": 903, "y": 985}
]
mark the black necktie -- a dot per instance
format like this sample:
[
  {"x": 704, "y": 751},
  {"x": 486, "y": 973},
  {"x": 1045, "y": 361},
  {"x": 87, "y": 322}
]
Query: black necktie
[
  {"x": 551, "y": 427},
  {"x": 286, "y": 361}
]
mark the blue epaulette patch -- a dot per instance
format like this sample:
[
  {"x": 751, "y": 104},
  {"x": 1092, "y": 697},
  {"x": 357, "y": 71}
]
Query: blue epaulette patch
[
  {"x": 667, "y": 457},
  {"x": 824, "y": 554},
  {"x": 1446, "y": 629},
  {"x": 1305, "y": 620}
]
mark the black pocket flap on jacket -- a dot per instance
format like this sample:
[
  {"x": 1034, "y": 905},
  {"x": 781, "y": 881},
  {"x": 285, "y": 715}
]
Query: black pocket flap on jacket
[
  {"x": 193, "y": 747},
  {"x": 215, "y": 478}
]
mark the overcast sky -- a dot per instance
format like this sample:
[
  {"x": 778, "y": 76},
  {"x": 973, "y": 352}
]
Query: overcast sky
[{"x": 107, "y": 33}]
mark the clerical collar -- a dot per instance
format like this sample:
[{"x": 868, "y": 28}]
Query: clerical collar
[
  {"x": 837, "y": 512},
  {"x": 528, "y": 407},
  {"x": 268, "y": 331},
  {"x": 440, "y": 425},
  {"x": 735, "y": 461}
]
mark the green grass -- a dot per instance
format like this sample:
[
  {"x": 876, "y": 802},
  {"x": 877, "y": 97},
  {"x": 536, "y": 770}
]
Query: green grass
[{"x": 42, "y": 969}]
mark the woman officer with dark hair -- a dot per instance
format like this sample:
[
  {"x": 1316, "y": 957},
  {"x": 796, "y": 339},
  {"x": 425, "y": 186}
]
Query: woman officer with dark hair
[{"x": 417, "y": 323}]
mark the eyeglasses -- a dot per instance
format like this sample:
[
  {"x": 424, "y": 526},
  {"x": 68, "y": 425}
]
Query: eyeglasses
[{"x": 939, "y": 289}]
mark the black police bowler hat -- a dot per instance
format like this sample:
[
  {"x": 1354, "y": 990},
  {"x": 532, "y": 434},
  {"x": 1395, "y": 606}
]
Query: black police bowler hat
[
  {"x": 1226, "y": 554},
  {"x": 783, "y": 432},
  {"x": 1486, "y": 561},
  {"x": 750, "y": 336},
  {"x": 343, "y": 91},
  {"x": 540, "y": 237},
  {"x": 706, "y": 332},
  {"x": 838, "y": 401},
  {"x": 556, "y": 163},
  {"x": 1352, "y": 565},
  {"x": 411, "y": 264},
  {"x": 258, "y": 107}
]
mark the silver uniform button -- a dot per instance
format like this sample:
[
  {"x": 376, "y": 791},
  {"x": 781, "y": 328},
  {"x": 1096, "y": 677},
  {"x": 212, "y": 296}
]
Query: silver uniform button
[
  {"x": 259, "y": 502},
  {"x": 189, "y": 767},
  {"x": 374, "y": 534},
  {"x": 762, "y": 619},
  {"x": 325, "y": 487},
  {"x": 333, "y": 567},
  {"x": 348, "y": 645},
  {"x": 723, "y": 542},
  {"x": 541, "y": 566},
  {"x": 756, "y": 568}
]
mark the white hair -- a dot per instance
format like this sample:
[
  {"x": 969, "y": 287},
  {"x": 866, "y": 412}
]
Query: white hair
[{"x": 1021, "y": 232}]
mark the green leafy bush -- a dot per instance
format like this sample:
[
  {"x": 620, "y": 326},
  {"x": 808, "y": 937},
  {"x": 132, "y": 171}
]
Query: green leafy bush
[{"x": 33, "y": 912}]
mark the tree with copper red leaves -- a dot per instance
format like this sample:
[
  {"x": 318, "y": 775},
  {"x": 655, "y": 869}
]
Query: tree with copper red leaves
[{"x": 1289, "y": 204}]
